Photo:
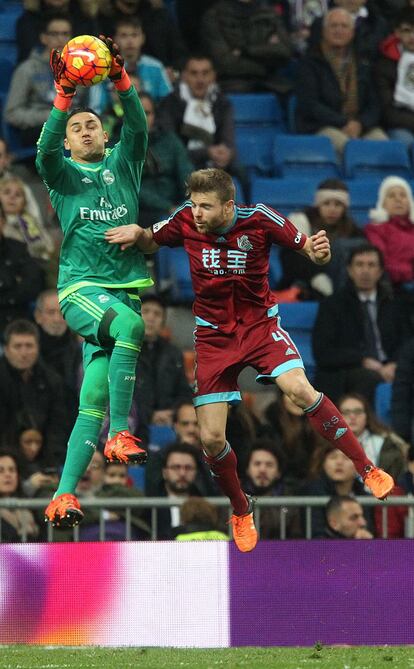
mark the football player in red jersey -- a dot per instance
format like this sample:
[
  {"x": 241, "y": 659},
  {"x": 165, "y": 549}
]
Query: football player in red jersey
[{"x": 237, "y": 324}]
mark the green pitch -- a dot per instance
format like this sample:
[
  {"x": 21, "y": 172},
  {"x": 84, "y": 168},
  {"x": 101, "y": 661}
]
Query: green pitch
[{"x": 319, "y": 657}]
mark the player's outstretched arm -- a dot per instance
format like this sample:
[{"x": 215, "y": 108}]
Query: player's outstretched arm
[
  {"x": 132, "y": 235},
  {"x": 49, "y": 159},
  {"x": 317, "y": 248}
]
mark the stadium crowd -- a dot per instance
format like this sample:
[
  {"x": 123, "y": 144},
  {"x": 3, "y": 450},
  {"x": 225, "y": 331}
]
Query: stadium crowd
[{"x": 345, "y": 68}]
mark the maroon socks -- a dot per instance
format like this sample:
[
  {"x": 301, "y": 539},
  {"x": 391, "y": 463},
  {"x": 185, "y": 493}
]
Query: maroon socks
[
  {"x": 327, "y": 420},
  {"x": 224, "y": 469}
]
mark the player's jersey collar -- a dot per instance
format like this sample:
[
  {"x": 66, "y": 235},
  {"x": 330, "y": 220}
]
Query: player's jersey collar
[{"x": 225, "y": 229}]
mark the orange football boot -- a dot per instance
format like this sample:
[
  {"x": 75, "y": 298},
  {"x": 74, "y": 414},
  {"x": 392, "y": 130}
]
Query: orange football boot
[
  {"x": 64, "y": 511},
  {"x": 123, "y": 448},
  {"x": 244, "y": 530},
  {"x": 379, "y": 482}
]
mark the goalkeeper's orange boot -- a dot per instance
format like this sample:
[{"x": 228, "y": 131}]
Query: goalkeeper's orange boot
[
  {"x": 64, "y": 511},
  {"x": 379, "y": 482},
  {"x": 123, "y": 447},
  {"x": 244, "y": 530}
]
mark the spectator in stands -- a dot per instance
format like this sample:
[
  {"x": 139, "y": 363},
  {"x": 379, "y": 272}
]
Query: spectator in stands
[
  {"x": 287, "y": 424},
  {"x": 249, "y": 46},
  {"x": 32, "y": 205},
  {"x": 358, "y": 330},
  {"x": 189, "y": 21},
  {"x": 21, "y": 278},
  {"x": 32, "y": 87},
  {"x": 370, "y": 26},
  {"x": 16, "y": 524},
  {"x": 393, "y": 72},
  {"x": 115, "y": 485},
  {"x": 59, "y": 347},
  {"x": 335, "y": 92},
  {"x": 406, "y": 481},
  {"x": 166, "y": 169},
  {"x": 161, "y": 380},
  {"x": 179, "y": 471},
  {"x": 163, "y": 40},
  {"x": 402, "y": 399},
  {"x": 391, "y": 230},
  {"x": 93, "y": 479},
  {"x": 29, "y": 388},
  {"x": 203, "y": 117},
  {"x": 188, "y": 434},
  {"x": 199, "y": 522},
  {"x": 29, "y": 25},
  {"x": 264, "y": 478},
  {"x": 329, "y": 212},
  {"x": 390, "y": 8},
  {"x": 331, "y": 473},
  {"x": 36, "y": 466},
  {"x": 345, "y": 520},
  {"x": 303, "y": 15},
  {"x": 382, "y": 446},
  {"x": 20, "y": 223}
]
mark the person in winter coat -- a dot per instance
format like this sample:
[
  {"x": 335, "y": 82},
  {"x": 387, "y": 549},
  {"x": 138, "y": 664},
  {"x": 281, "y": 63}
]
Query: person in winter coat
[{"x": 394, "y": 72}]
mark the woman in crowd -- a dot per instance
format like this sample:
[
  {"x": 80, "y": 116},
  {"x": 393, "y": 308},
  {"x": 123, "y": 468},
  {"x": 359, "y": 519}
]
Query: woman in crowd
[{"x": 16, "y": 524}]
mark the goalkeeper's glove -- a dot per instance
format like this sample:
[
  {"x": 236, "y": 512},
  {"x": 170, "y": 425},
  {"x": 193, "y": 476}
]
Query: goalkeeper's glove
[
  {"x": 117, "y": 73},
  {"x": 65, "y": 88}
]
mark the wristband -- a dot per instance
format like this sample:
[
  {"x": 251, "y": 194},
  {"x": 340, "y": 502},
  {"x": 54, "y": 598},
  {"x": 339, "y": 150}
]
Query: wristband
[
  {"x": 62, "y": 103},
  {"x": 124, "y": 83}
]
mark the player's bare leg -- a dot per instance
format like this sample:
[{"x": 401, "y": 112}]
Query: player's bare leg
[
  {"x": 212, "y": 419},
  {"x": 327, "y": 420}
]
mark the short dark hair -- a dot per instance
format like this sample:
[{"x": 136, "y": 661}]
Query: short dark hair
[
  {"x": 336, "y": 503},
  {"x": 212, "y": 180},
  {"x": 81, "y": 110},
  {"x": 270, "y": 446},
  {"x": 405, "y": 15},
  {"x": 52, "y": 15},
  {"x": 198, "y": 55},
  {"x": 21, "y": 326},
  {"x": 130, "y": 22},
  {"x": 365, "y": 248},
  {"x": 181, "y": 402},
  {"x": 180, "y": 448},
  {"x": 153, "y": 297}
]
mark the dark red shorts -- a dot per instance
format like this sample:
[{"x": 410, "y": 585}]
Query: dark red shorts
[{"x": 221, "y": 357}]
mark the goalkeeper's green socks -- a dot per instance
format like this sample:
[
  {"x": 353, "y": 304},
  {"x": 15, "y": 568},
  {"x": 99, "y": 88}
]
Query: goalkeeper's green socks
[{"x": 122, "y": 368}]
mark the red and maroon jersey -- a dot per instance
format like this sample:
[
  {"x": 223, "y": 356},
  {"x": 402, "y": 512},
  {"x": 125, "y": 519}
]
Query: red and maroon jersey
[{"x": 229, "y": 269}]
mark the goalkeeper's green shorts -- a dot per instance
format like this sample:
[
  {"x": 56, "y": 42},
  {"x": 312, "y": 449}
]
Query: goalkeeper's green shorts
[{"x": 84, "y": 309}]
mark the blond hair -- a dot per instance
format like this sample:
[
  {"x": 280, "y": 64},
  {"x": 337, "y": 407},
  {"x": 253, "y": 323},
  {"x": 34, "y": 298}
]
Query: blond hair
[{"x": 212, "y": 180}]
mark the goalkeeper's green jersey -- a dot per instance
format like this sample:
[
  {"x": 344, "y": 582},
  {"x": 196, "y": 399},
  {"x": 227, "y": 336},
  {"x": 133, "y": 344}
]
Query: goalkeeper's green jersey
[{"x": 89, "y": 198}]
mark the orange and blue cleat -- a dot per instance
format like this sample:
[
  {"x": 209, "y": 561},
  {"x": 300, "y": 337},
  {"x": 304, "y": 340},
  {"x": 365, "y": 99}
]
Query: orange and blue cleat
[
  {"x": 64, "y": 511},
  {"x": 379, "y": 482},
  {"x": 244, "y": 530},
  {"x": 123, "y": 447}
]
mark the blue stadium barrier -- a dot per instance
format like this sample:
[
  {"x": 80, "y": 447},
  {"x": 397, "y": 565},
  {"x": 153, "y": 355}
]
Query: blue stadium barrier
[
  {"x": 383, "y": 393},
  {"x": 363, "y": 158},
  {"x": 301, "y": 155}
]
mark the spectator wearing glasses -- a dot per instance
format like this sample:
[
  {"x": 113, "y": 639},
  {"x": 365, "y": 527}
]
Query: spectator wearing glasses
[{"x": 32, "y": 89}]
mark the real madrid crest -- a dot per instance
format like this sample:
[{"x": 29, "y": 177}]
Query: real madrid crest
[{"x": 108, "y": 177}]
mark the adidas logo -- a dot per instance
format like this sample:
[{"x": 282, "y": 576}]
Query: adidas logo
[
  {"x": 340, "y": 431},
  {"x": 221, "y": 239},
  {"x": 86, "y": 180},
  {"x": 289, "y": 351}
]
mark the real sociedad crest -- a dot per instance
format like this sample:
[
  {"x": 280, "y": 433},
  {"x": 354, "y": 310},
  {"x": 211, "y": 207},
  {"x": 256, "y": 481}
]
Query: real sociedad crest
[{"x": 243, "y": 243}]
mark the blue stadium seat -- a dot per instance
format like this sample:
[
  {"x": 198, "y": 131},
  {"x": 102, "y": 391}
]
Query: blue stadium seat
[
  {"x": 254, "y": 148},
  {"x": 284, "y": 195},
  {"x": 173, "y": 274},
  {"x": 291, "y": 114},
  {"x": 298, "y": 319},
  {"x": 383, "y": 402},
  {"x": 301, "y": 155},
  {"x": 12, "y": 138},
  {"x": 6, "y": 70},
  {"x": 275, "y": 267},
  {"x": 8, "y": 52},
  {"x": 363, "y": 158},
  {"x": 363, "y": 195},
  {"x": 160, "y": 435},
  {"x": 137, "y": 474},
  {"x": 257, "y": 109},
  {"x": 9, "y": 13}
]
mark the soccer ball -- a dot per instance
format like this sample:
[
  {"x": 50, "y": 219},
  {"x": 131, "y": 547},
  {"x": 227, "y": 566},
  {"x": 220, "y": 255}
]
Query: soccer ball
[{"x": 87, "y": 59}]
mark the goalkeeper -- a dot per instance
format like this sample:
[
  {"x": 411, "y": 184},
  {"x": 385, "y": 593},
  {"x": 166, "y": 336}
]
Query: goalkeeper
[{"x": 93, "y": 190}]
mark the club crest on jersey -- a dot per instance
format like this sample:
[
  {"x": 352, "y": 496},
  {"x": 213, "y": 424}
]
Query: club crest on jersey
[
  {"x": 244, "y": 244},
  {"x": 108, "y": 177},
  {"x": 103, "y": 298}
]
